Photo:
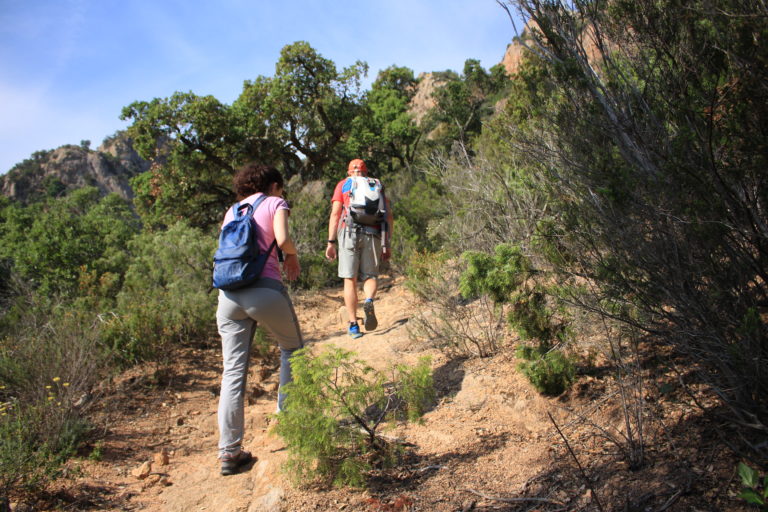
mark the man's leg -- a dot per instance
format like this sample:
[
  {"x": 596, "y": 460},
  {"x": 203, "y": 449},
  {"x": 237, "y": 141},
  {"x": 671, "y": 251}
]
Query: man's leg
[
  {"x": 369, "y": 271},
  {"x": 370, "y": 286},
  {"x": 350, "y": 298}
]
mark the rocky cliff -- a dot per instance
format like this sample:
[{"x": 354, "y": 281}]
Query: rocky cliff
[{"x": 54, "y": 172}]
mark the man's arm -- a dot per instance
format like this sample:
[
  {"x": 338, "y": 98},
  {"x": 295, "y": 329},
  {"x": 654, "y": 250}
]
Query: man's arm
[{"x": 333, "y": 227}]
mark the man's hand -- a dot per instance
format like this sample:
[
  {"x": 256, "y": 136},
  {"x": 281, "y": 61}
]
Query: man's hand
[
  {"x": 291, "y": 266},
  {"x": 330, "y": 252}
]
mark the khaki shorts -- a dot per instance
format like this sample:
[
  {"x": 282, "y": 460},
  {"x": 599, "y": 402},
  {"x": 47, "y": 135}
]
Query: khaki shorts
[{"x": 359, "y": 253}]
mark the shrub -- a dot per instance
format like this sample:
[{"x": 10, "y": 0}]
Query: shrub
[
  {"x": 53, "y": 244},
  {"x": 316, "y": 272},
  {"x": 49, "y": 361},
  {"x": 27, "y": 463},
  {"x": 335, "y": 408},
  {"x": 444, "y": 319},
  {"x": 166, "y": 296},
  {"x": 550, "y": 372}
]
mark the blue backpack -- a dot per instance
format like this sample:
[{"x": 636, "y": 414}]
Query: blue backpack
[{"x": 238, "y": 261}]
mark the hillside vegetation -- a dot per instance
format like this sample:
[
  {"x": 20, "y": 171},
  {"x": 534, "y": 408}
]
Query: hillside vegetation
[{"x": 603, "y": 204}]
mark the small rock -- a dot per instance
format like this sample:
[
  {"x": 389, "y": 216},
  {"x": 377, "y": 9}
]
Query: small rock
[
  {"x": 164, "y": 481},
  {"x": 161, "y": 457},
  {"x": 180, "y": 421},
  {"x": 142, "y": 471},
  {"x": 468, "y": 505}
]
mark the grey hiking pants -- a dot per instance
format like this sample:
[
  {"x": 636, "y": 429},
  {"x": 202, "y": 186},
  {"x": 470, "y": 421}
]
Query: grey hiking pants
[{"x": 238, "y": 312}]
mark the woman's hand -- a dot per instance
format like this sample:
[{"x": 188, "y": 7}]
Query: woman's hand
[{"x": 291, "y": 266}]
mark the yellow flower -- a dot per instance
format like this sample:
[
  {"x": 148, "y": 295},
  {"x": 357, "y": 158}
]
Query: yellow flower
[
  {"x": 50, "y": 398},
  {"x": 56, "y": 379},
  {"x": 65, "y": 384},
  {"x": 48, "y": 387}
]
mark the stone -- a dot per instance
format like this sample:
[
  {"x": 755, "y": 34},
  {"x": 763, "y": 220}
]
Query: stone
[
  {"x": 161, "y": 457},
  {"x": 142, "y": 471}
]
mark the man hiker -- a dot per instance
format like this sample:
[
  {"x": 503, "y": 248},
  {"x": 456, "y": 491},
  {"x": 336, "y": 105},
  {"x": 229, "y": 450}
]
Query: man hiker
[{"x": 361, "y": 225}]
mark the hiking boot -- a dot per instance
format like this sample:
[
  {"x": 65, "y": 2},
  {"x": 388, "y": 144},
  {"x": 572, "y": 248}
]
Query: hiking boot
[
  {"x": 369, "y": 321},
  {"x": 231, "y": 464},
  {"x": 354, "y": 331}
]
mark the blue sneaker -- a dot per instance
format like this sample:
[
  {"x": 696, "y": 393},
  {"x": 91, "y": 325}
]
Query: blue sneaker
[
  {"x": 369, "y": 322},
  {"x": 354, "y": 331}
]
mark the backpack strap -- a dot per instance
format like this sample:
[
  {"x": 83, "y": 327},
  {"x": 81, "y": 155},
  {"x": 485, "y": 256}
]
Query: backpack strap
[{"x": 252, "y": 210}]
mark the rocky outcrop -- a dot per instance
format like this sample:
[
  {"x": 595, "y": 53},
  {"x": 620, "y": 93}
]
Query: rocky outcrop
[
  {"x": 422, "y": 101},
  {"x": 513, "y": 57},
  {"x": 53, "y": 173}
]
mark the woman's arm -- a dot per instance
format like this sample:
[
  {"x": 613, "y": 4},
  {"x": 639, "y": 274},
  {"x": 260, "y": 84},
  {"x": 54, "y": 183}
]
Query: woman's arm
[{"x": 285, "y": 243}]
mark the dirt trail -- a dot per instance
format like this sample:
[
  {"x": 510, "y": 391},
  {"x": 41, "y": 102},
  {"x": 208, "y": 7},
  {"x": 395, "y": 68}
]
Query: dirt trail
[
  {"x": 196, "y": 481},
  {"x": 487, "y": 426},
  {"x": 488, "y": 443}
]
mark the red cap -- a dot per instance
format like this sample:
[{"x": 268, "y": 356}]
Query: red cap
[{"x": 357, "y": 164}]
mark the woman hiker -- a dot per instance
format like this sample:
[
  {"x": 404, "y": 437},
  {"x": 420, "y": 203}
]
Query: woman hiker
[{"x": 265, "y": 302}]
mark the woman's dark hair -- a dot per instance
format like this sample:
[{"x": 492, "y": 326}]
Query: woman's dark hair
[{"x": 255, "y": 177}]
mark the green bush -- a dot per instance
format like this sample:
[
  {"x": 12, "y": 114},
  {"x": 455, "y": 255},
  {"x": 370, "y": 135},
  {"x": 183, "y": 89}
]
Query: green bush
[
  {"x": 499, "y": 274},
  {"x": 316, "y": 272},
  {"x": 533, "y": 318},
  {"x": 167, "y": 295},
  {"x": 551, "y": 372},
  {"x": 55, "y": 243},
  {"x": 335, "y": 408},
  {"x": 49, "y": 360},
  {"x": 456, "y": 326},
  {"x": 28, "y": 463}
]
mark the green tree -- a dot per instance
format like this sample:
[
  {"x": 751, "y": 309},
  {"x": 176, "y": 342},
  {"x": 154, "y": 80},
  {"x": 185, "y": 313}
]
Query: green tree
[
  {"x": 644, "y": 119},
  {"x": 195, "y": 152},
  {"x": 465, "y": 100},
  {"x": 384, "y": 132},
  {"x": 56, "y": 244},
  {"x": 296, "y": 119}
]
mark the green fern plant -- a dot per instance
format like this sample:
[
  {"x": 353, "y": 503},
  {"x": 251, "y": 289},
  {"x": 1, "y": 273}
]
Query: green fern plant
[{"x": 335, "y": 409}]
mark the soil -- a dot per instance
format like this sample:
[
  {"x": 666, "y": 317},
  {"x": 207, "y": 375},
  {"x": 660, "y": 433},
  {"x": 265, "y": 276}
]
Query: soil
[{"x": 491, "y": 442}]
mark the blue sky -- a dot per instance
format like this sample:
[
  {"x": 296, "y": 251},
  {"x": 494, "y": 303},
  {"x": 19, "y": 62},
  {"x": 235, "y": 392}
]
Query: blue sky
[{"x": 67, "y": 67}]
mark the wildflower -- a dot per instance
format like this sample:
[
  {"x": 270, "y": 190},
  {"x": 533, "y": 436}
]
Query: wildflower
[
  {"x": 50, "y": 398},
  {"x": 48, "y": 387},
  {"x": 56, "y": 379},
  {"x": 66, "y": 384}
]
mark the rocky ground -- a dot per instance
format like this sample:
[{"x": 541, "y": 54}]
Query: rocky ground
[{"x": 491, "y": 442}]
